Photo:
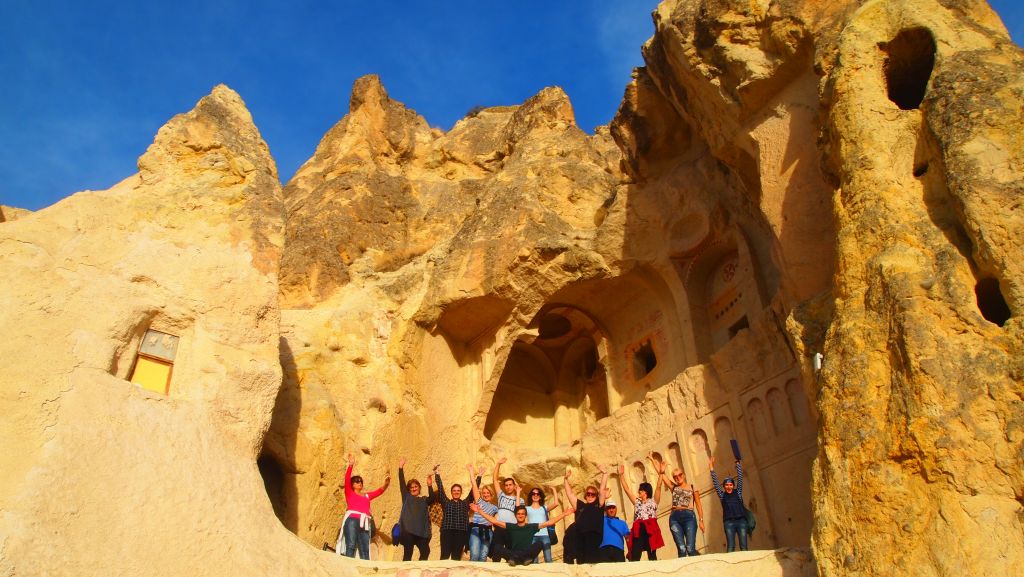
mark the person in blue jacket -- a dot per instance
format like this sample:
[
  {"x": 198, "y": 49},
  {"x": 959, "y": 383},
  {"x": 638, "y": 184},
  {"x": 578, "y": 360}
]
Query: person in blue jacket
[{"x": 614, "y": 535}]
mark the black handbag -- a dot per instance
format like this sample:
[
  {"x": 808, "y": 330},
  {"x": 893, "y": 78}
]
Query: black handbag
[{"x": 552, "y": 535}]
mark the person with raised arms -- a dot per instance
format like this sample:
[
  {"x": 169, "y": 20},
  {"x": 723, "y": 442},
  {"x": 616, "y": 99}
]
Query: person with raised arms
[
  {"x": 687, "y": 512},
  {"x": 646, "y": 534},
  {"x": 734, "y": 512},
  {"x": 509, "y": 497},
  {"x": 455, "y": 524},
  {"x": 480, "y": 529},
  {"x": 589, "y": 525},
  {"x": 414, "y": 518},
  {"x": 357, "y": 525},
  {"x": 521, "y": 549}
]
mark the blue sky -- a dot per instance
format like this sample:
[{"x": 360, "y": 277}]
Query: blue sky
[{"x": 87, "y": 84}]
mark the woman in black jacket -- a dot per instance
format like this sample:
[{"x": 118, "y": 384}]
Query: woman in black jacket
[{"x": 415, "y": 517}]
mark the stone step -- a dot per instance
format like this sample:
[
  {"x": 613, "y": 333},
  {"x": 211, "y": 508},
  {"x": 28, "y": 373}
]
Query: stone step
[{"x": 789, "y": 562}]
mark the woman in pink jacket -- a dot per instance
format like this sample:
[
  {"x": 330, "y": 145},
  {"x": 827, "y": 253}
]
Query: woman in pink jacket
[{"x": 357, "y": 524}]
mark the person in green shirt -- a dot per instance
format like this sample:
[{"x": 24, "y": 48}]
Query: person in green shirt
[{"x": 521, "y": 549}]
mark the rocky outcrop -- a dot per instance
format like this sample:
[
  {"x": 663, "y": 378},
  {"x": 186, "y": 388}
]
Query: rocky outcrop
[
  {"x": 108, "y": 477},
  {"x": 8, "y": 213},
  {"x": 925, "y": 343}
]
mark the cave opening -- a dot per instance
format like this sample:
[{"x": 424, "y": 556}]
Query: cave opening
[
  {"x": 910, "y": 58},
  {"x": 991, "y": 302},
  {"x": 274, "y": 482},
  {"x": 553, "y": 386}
]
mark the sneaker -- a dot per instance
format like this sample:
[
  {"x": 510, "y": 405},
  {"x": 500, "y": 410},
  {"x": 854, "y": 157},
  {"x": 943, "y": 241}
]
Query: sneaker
[
  {"x": 511, "y": 562},
  {"x": 527, "y": 561}
]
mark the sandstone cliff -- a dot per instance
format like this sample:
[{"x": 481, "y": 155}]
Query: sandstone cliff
[{"x": 100, "y": 476}]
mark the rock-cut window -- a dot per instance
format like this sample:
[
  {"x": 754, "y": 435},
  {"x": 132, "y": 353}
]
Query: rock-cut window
[{"x": 154, "y": 362}]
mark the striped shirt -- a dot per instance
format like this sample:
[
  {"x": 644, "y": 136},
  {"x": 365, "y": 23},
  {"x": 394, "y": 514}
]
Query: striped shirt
[{"x": 488, "y": 507}]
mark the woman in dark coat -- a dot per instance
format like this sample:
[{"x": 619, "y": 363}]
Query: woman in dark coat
[{"x": 415, "y": 517}]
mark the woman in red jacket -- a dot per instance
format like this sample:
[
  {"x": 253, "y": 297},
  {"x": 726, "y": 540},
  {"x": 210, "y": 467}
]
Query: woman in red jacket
[{"x": 645, "y": 534}]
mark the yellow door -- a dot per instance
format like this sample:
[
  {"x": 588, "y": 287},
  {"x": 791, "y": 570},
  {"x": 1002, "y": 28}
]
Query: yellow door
[{"x": 151, "y": 374}]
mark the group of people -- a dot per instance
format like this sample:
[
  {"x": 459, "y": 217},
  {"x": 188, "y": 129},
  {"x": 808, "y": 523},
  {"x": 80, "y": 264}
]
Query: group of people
[{"x": 495, "y": 521}]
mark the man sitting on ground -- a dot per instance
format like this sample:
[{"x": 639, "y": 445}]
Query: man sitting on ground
[{"x": 522, "y": 549}]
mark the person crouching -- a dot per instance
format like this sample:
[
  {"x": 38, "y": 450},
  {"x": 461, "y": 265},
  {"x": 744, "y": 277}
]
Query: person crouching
[{"x": 521, "y": 549}]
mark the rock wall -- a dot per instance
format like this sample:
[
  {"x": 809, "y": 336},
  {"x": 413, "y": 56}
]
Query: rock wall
[
  {"x": 925, "y": 343},
  {"x": 101, "y": 476}
]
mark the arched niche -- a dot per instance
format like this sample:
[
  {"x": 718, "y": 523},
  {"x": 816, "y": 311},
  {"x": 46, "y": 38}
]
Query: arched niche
[
  {"x": 523, "y": 410},
  {"x": 723, "y": 291},
  {"x": 778, "y": 407},
  {"x": 797, "y": 403},
  {"x": 553, "y": 385},
  {"x": 758, "y": 420},
  {"x": 699, "y": 449}
]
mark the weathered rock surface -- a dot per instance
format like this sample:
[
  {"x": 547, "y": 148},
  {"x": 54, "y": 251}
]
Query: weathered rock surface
[
  {"x": 8, "y": 213},
  {"x": 100, "y": 476},
  {"x": 929, "y": 191},
  {"x": 782, "y": 179}
]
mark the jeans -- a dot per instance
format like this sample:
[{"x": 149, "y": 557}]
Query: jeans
[
  {"x": 736, "y": 528},
  {"x": 479, "y": 542},
  {"x": 355, "y": 536},
  {"x": 683, "y": 524},
  {"x": 545, "y": 542}
]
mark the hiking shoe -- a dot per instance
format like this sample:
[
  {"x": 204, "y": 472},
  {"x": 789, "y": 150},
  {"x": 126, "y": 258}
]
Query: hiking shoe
[
  {"x": 527, "y": 561},
  {"x": 511, "y": 562}
]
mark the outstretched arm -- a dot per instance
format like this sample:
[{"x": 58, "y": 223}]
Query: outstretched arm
[
  {"x": 380, "y": 490},
  {"x": 626, "y": 483},
  {"x": 659, "y": 466},
  {"x": 739, "y": 479},
  {"x": 663, "y": 478},
  {"x": 569, "y": 494},
  {"x": 474, "y": 486},
  {"x": 554, "y": 499},
  {"x": 440, "y": 487},
  {"x": 551, "y": 522},
  {"x": 714, "y": 478},
  {"x": 700, "y": 508},
  {"x": 604, "y": 485},
  {"x": 401, "y": 477},
  {"x": 496, "y": 476},
  {"x": 476, "y": 509},
  {"x": 348, "y": 473}
]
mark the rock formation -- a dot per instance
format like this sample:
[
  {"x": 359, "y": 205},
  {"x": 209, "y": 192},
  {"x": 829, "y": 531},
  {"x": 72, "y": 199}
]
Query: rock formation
[{"x": 782, "y": 179}]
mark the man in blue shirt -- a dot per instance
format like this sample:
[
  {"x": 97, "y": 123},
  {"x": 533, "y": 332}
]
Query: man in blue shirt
[{"x": 614, "y": 535}]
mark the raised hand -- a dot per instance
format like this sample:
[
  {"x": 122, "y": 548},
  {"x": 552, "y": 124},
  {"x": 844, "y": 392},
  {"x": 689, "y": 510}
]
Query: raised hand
[
  {"x": 351, "y": 459},
  {"x": 401, "y": 462},
  {"x": 711, "y": 462},
  {"x": 502, "y": 460}
]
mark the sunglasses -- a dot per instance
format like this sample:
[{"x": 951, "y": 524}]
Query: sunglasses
[
  {"x": 591, "y": 494},
  {"x": 534, "y": 492}
]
